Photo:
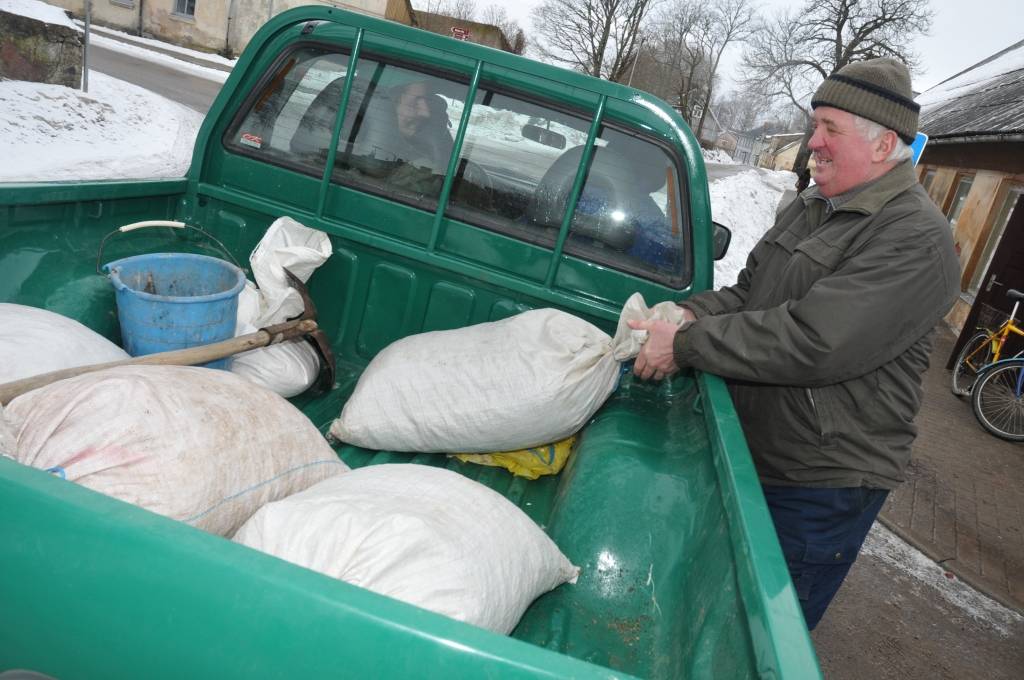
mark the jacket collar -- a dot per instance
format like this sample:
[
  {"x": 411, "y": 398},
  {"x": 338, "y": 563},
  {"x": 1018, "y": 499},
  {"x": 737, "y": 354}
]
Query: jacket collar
[{"x": 875, "y": 193}]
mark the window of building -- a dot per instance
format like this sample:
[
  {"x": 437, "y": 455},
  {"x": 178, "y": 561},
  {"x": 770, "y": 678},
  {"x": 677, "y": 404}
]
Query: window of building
[
  {"x": 1002, "y": 217},
  {"x": 185, "y": 7},
  {"x": 928, "y": 178},
  {"x": 956, "y": 205}
]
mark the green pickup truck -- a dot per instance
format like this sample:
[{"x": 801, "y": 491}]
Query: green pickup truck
[{"x": 458, "y": 185}]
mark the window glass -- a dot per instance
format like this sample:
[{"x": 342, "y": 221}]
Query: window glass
[
  {"x": 956, "y": 206},
  {"x": 1002, "y": 217},
  {"x": 292, "y": 119},
  {"x": 185, "y": 7},
  {"x": 628, "y": 214},
  {"x": 397, "y": 138},
  {"x": 517, "y": 168},
  {"x": 929, "y": 177}
]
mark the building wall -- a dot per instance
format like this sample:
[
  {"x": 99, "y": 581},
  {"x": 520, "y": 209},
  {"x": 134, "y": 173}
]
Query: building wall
[
  {"x": 482, "y": 34},
  {"x": 786, "y": 158},
  {"x": 994, "y": 168},
  {"x": 218, "y": 25}
]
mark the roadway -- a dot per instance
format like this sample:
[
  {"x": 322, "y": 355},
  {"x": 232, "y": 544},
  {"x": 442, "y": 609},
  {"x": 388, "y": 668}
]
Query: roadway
[{"x": 180, "y": 86}]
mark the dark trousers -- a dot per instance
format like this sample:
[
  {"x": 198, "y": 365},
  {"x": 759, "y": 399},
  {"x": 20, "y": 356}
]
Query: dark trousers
[{"x": 821, "y": 532}]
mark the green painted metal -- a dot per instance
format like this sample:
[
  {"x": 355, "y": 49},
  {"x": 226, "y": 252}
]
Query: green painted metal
[{"x": 660, "y": 505}]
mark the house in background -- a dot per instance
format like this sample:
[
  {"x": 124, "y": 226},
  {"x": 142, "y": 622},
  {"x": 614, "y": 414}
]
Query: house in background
[
  {"x": 774, "y": 144},
  {"x": 785, "y": 157},
  {"x": 973, "y": 169},
  {"x": 215, "y": 25},
  {"x": 461, "y": 29}
]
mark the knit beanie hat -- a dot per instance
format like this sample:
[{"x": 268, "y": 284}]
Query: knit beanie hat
[{"x": 876, "y": 89}]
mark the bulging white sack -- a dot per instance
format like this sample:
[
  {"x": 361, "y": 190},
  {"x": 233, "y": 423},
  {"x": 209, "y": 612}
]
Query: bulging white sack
[
  {"x": 527, "y": 380},
  {"x": 198, "y": 445},
  {"x": 291, "y": 367},
  {"x": 34, "y": 341},
  {"x": 423, "y": 535}
]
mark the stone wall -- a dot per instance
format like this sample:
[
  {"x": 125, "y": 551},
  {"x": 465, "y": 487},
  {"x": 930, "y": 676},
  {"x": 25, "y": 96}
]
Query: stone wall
[{"x": 44, "y": 53}]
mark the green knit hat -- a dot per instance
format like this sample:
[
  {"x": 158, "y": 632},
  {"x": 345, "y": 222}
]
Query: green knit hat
[{"x": 876, "y": 89}]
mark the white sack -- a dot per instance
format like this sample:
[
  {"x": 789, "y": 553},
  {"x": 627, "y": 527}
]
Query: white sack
[
  {"x": 424, "y": 535},
  {"x": 194, "y": 444},
  {"x": 291, "y": 367},
  {"x": 627, "y": 342},
  {"x": 527, "y": 380},
  {"x": 34, "y": 341},
  {"x": 8, "y": 441}
]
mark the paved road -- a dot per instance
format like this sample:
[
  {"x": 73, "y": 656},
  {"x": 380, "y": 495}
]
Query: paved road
[{"x": 185, "y": 88}]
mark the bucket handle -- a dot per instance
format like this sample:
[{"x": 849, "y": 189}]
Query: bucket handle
[{"x": 162, "y": 223}]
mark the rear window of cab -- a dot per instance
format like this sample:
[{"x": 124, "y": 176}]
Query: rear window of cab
[{"x": 515, "y": 169}]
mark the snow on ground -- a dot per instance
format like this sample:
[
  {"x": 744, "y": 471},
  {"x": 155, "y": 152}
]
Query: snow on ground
[
  {"x": 716, "y": 156},
  {"x": 38, "y": 10},
  {"x": 746, "y": 203},
  {"x": 160, "y": 45},
  {"x": 921, "y": 572},
  {"x": 116, "y": 131},
  {"x": 157, "y": 58}
]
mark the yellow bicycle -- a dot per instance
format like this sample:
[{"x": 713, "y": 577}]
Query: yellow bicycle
[{"x": 983, "y": 349}]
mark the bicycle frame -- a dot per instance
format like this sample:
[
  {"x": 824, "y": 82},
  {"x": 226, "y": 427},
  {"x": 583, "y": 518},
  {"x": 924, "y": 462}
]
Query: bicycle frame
[{"x": 998, "y": 338}]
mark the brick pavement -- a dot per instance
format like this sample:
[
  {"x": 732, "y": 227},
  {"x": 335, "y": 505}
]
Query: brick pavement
[{"x": 963, "y": 501}]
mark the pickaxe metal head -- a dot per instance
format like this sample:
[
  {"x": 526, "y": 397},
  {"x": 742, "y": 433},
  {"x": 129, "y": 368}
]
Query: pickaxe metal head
[{"x": 318, "y": 339}]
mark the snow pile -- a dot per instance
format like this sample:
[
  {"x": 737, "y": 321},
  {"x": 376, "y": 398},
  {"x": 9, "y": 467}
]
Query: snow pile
[
  {"x": 746, "y": 203},
  {"x": 716, "y": 156},
  {"x": 116, "y": 131},
  {"x": 144, "y": 54},
  {"x": 39, "y": 11},
  {"x": 886, "y": 546},
  {"x": 973, "y": 79}
]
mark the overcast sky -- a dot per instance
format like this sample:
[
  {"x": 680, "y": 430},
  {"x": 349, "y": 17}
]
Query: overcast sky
[{"x": 964, "y": 33}]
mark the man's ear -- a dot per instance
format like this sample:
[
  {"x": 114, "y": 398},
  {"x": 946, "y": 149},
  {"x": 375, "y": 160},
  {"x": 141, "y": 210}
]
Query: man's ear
[{"x": 884, "y": 145}]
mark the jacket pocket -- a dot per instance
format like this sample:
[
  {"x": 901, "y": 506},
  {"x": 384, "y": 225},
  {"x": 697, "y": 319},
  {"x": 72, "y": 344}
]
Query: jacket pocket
[
  {"x": 821, "y": 252},
  {"x": 820, "y": 401}
]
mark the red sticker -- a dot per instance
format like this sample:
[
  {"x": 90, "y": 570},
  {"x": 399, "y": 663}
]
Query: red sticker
[{"x": 251, "y": 140}]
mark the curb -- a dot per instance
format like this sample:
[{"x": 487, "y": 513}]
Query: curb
[
  {"x": 950, "y": 566},
  {"x": 128, "y": 40}
]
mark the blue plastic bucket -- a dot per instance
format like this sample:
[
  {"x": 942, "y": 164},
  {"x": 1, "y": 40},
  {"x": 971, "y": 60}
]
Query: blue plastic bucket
[{"x": 168, "y": 301}]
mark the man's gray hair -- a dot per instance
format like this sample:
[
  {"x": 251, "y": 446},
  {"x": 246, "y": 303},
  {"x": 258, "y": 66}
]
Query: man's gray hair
[{"x": 872, "y": 131}]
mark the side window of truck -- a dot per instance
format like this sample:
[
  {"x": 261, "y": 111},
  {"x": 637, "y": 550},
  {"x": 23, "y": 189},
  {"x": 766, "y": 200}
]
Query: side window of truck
[{"x": 515, "y": 172}]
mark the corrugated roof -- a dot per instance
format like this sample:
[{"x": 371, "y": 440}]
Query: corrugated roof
[{"x": 985, "y": 100}]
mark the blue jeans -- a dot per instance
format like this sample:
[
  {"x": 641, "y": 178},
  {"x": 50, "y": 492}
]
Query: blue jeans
[{"x": 821, "y": 532}]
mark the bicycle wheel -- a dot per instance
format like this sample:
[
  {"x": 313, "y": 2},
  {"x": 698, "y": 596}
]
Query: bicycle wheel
[
  {"x": 998, "y": 400},
  {"x": 975, "y": 354}
]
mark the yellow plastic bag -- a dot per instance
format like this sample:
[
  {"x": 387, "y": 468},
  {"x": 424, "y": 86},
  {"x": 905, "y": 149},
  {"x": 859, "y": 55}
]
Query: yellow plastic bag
[{"x": 529, "y": 463}]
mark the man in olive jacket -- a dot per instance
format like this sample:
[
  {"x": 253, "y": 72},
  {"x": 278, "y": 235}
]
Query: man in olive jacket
[{"x": 828, "y": 329}]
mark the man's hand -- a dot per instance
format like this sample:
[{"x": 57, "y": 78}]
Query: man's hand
[{"x": 656, "y": 359}]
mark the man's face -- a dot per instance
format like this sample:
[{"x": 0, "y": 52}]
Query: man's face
[
  {"x": 843, "y": 157},
  {"x": 412, "y": 109}
]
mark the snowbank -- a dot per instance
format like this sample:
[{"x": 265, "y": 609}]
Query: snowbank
[
  {"x": 39, "y": 11},
  {"x": 716, "y": 156},
  {"x": 116, "y": 131},
  {"x": 746, "y": 203}
]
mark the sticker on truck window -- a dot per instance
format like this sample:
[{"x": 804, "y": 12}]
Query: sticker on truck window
[{"x": 251, "y": 140}]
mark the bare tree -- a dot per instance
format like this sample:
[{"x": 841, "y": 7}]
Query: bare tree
[
  {"x": 510, "y": 28},
  {"x": 679, "y": 51},
  {"x": 598, "y": 37},
  {"x": 458, "y": 9},
  {"x": 731, "y": 21},
  {"x": 790, "y": 55}
]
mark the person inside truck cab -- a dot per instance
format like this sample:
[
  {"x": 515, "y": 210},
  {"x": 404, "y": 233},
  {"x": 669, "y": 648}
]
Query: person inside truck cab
[
  {"x": 826, "y": 333},
  {"x": 402, "y": 139}
]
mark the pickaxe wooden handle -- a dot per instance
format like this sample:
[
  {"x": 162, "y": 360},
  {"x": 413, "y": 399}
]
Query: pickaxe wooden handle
[{"x": 271, "y": 335}]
